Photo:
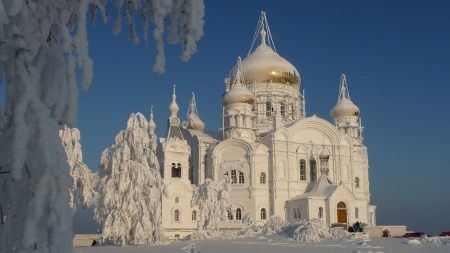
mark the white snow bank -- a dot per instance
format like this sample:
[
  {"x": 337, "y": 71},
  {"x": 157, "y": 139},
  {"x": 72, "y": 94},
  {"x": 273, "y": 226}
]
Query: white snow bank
[
  {"x": 413, "y": 242},
  {"x": 204, "y": 234},
  {"x": 315, "y": 230},
  {"x": 274, "y": 225}
]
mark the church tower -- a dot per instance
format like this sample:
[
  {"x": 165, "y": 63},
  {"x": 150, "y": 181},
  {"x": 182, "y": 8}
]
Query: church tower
[
  {"x": 173, "y": 151},
  {"x": 238, "y": 117},
  {"x": 345, "y": 114},
  {"x": 274, "y": 82}
]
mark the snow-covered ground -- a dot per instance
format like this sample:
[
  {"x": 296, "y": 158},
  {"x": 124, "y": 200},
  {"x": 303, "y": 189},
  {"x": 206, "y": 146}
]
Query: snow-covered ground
[{"x": 279, "y": 243}]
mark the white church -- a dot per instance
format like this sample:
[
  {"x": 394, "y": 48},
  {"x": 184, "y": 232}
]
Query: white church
[{"x": 280, "y": 161}]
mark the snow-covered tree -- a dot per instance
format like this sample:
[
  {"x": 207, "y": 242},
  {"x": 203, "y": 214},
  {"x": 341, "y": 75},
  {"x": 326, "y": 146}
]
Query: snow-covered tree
[
  {"x": 131, "y": 187},
  {"x": 212, "y": 199},
  {"x": 84, "y": 181},
  {"x": 41, "y": 45}
]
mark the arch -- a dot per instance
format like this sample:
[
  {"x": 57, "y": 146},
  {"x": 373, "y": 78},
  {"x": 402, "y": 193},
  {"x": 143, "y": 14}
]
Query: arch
[
  {"x": 295, "y": 213},
  {"x": 341, "y": 212},
  {"x": 299, "y": 214},
  {"x": 323, "y": 127},
  {"x": 263, "y": 214},
  {"x": 262, "y": 178},
  {"x": 177, "y": 200},
  {"x": 238, "y": 214}
]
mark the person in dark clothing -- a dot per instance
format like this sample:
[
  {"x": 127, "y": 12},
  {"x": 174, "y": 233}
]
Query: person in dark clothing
[{"x": 350, "y": 229}]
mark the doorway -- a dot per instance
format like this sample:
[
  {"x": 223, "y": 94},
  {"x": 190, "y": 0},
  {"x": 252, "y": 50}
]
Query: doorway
[{"x": 342, "y": 212}]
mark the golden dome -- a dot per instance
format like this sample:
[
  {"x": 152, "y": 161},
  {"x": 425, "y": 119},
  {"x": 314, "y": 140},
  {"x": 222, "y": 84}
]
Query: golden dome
[{"x": 264, "y": 65}]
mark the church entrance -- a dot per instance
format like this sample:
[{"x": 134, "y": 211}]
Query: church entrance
[{"x": 341, "y": 212}]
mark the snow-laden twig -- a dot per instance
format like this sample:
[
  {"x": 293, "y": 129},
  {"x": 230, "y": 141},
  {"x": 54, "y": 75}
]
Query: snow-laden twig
[{"x": 84, "y": 181}]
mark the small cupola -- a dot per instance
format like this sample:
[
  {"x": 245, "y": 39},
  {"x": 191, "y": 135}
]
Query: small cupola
[{"x": 238, "y": 93}]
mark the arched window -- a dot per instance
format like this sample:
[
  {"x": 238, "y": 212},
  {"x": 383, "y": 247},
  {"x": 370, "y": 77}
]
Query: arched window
[
  {"x": 262, "y": 178},
  {"x": 241, "y": 177},
  {"x": 230, "y": 215},
  {"x": 238, "y": 214},
  {"x": 176, "y": 200},
  {"x": 320, "y": 212},
  {"x": 356, "y": 213},
  {"x": 233, "y": 177},
  {"x": 357, "y": 182},
  {"x": 295, "y": 213},
  {"x": 302, "y": 170},
  {"x": 299, "y": 215},
  {"x": 313, "y": 170},
  {"x": 263, "y": 214},
  {"x": 194, "y": 215},
  {"x": 176, "y": 170},
  {"x": 176, "y": 215}
]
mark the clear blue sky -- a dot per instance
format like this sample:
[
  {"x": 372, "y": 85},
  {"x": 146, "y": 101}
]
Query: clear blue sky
[{"x": 396, "y": 55}]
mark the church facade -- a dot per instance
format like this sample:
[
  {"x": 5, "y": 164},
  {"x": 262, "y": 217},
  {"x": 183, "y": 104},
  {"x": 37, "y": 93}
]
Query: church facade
[{"x": 280, "y": 162}]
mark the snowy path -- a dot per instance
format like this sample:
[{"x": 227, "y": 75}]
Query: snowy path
[{"x": 278, "y": 243}]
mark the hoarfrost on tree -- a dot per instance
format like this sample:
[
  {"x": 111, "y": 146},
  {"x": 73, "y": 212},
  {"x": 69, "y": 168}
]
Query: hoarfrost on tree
[
  {"x": 212, "y": 199},
  {"x": 131, "y": 187},
  {"x": 84, "y": 181},
  {"x": 41, "y": 44}
]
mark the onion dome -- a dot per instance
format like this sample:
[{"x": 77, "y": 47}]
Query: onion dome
[
  {"x": 173, "y": 107},
  {"x": 192, "y": 120},
  {"x": 344, "y": 107},
  {"x": 264, "y": 65},
  {"x": 238, "y": 93},
  {"x": 324, "y": 155}
]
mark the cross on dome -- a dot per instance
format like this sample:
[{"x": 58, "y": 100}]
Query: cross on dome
[
  {"x": 263, "y": 30},
  {"x": 343, "y": 93}
]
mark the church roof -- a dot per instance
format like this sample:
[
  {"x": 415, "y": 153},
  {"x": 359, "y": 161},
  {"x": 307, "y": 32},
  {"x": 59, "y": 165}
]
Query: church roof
[{"x": 321, "y": 190}]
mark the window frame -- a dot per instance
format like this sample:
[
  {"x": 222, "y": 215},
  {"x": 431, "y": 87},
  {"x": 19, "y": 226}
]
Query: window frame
[
  {"x": 263, "y": 214},
  {"x": 313, "y": 170},
  {"x": 302, "y": 164},
  {"x": 241, "y": 177},
  {"x": 238, "y": 214},
  {"x": 262, "y": 178},
  {"x": 176, "y": 215}
]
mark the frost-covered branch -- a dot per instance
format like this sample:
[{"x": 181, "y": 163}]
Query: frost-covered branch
[
  {"x": 212, "y": 199},
  {"x": 131, "y": 187},
  {"x": 84, "y": 181},
  {"x": 41, "y": 45}
]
